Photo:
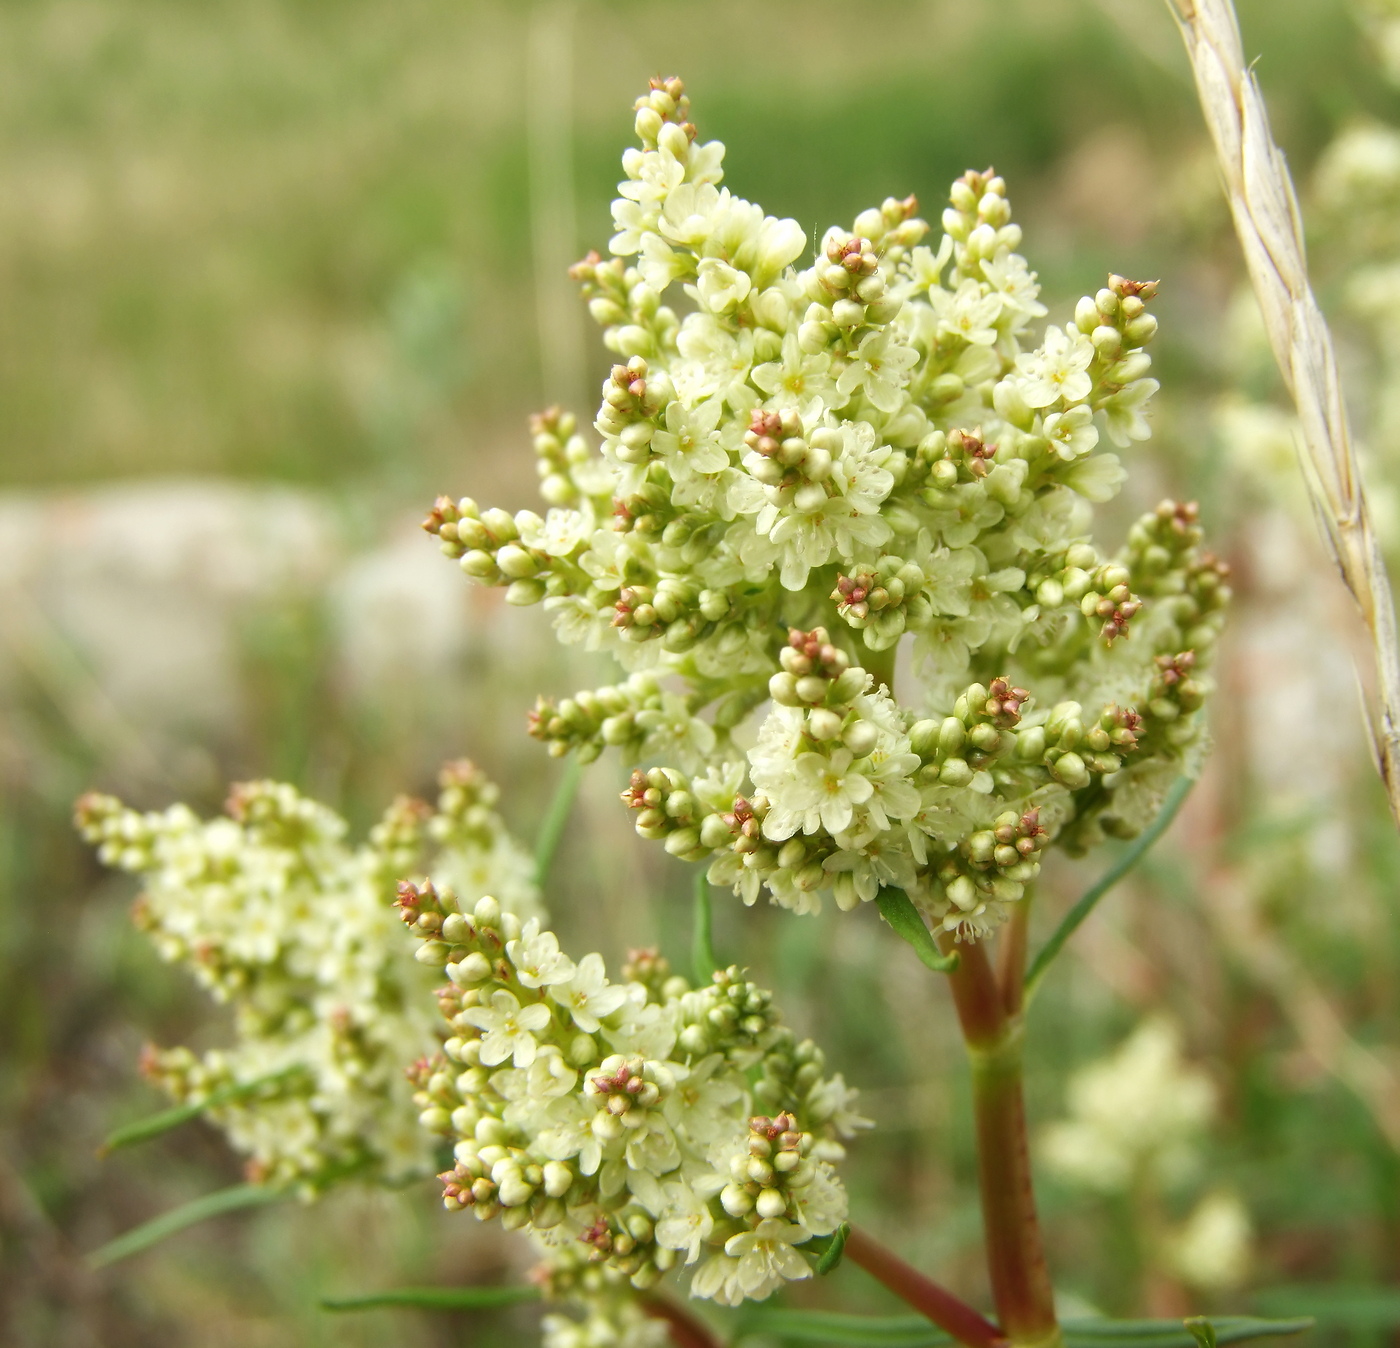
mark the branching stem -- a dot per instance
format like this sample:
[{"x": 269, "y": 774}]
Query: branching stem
[{"x": 923, "y": 1294}]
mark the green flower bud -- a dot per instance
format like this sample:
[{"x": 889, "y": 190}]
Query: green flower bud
[
  {"x": 1069, "y": 769},
  {"x": 525, "y": 592},
  {"x": 924, "y": 738}
]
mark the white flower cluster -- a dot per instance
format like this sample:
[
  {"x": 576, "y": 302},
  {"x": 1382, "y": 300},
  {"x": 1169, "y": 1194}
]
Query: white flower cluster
[
  {"x": 1140, "y": 1112},
  {"x": 278, "y": 917},
  {"x": 1137, "y": 1122},
  {"x": 621, "y": 1115},
  {"x": 806, "y": 467}
]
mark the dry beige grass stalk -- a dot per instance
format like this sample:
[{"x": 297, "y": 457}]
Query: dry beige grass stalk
[
  {"x": 1265, "y": 210},
  {"x": 1369, "y": 1071}
]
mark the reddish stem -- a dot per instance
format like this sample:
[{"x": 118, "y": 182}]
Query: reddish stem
[
  {"x": 1011, "y": 964},
  {"x": 923, "y": 1294},
  {"x": 976, "y": 994},
  {"x": 687, "y": 1329},
  {"x": 1021, "y": 1285}
]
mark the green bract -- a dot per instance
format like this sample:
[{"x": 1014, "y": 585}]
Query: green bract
[{"x": 807, "y": 468}]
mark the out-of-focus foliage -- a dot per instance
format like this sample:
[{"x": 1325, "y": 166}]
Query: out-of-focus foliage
[{"x": 281, "y": 252}]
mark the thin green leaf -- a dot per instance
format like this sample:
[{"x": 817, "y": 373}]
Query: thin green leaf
[
  {"x": 702, "y": 949},
  {"x": 1201, "y": 1329},
  {"x": 1338, "y": 1304},
  {"x": 913, "y": 1331},
  {"x": 153, "y": 1125},
  {"x": 177, "y": 1219},
  {"x": 836, "y": 1247},
  {"x": 1175, "y": 1333},
  {"x": 1180, "y": 789},
  {"x": 435, "y": 1299},
  {"x": 555, "y": 818},
  {"x": 853, "y": 1331},
  {"x": 897, "y": 908}
]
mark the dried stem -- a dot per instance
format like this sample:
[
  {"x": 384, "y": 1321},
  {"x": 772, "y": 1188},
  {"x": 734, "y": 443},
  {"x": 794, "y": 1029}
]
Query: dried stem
[
  {"x": 1368, "y": 1071},
  {"x": 1265, "y": 210},
  {"x": 923, "y": 1294}
]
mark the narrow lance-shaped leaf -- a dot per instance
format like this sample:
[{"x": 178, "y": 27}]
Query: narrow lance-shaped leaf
[
  {"x": 1202, "y": 1331},
  {"x": 913, "y": 1331},
  {"x": 153, "y": 1125},
  {"x": 1350, "y": 1306},
  {"x": 836, "y": 1247},
  {"x": 1181, "y": 788},
  {"x": 835, "y": 1327},
  {"x": 434, "y": 1299},
  {"x": 897, "y": 908},
  {"x": 177, "y": 1219}
]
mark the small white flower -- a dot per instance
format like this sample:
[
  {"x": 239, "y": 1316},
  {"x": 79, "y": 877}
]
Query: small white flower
[
  {"x": 968, "y": 312},
  {"x": 879, "y": 367},
  {"x": 686, "y": 1222},
  {"x": 1096, "y": 478},
  {"x": 823, "y": 792},
  {"x": 588, "y": 995},
  {"x": 561, "y": 532},
  {"x": 537, "y": 958},
  {"x": 1059, "y": 371},
  {"x": 796, "y": 377},
  {"x": 721, "y": 287},
  {"x": 767, "y": 1257},
  {"x": 1016, "y": 285},
  {"x": 1072, "y": 433},
  {"x": 510, "y": 1029},
  {"x": 690, "y": 443},
  {"x": 1123, "y": 412}
]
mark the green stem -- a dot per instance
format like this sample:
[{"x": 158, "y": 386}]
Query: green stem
[
  {"x": 702, "y": 949},
  {"x": 1016, "y": 1263},
  {"x": 881, "y": 665}
]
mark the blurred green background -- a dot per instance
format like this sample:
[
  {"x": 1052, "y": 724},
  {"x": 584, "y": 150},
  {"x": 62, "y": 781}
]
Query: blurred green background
[{"x": 273, "y": 273}]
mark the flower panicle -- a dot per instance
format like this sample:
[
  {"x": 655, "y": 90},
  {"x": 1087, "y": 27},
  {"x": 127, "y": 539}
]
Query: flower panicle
[
  {"x": 278, "y": 917},
  {"x": 617, "y": 1120},
  {"x": 879, "y": 446}
]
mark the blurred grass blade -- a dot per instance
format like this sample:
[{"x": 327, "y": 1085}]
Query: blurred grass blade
[
  {"x": 555, "y": 818},
  {"x": 897, "y": 908},
  {"x": 435, "y": 1299},
  {"x": 153, "y": 1125},
  {"x": 1338, "y": 1305},
  {"x": 702, "y": 949},
  {"x": 831, "y": 1256},
  {"x": 913, "y": 1331},
  {"x": 1180, "y": 789},
  {"x": 177, "y": 1219}
]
